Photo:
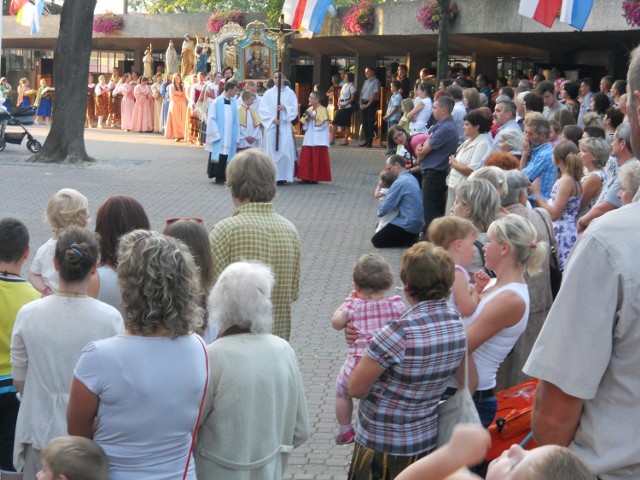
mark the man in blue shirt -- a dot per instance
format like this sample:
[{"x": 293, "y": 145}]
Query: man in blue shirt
[
  {"x": 403, "y": 195},
  {"x": 541, "y": 163},
  {"x": 433, "y": 158}
]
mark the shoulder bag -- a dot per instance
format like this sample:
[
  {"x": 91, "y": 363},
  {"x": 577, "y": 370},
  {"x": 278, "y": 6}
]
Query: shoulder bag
[
  {"x": 457, "y": 409},
  {"x": 555, "y": 275}
]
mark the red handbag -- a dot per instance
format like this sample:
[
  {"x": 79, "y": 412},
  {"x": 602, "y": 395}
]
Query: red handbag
[{"x": 513, "y": 418}]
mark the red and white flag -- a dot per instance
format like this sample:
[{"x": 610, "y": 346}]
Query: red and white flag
[{"x": 542, "y": 11}]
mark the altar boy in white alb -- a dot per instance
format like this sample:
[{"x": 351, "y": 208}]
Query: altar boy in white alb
[
  {"x": 250, "y": 131},
  {"x": 285, "y": 156}
]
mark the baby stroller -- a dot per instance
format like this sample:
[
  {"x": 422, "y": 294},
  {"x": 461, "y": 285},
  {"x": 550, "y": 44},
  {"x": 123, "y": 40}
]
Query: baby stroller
[{"x": 19, "y": 117}]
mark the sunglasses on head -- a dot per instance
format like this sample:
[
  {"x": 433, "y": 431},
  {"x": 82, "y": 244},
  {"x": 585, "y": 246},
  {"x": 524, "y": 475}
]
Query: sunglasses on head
[{"x": 169, "y": 221}]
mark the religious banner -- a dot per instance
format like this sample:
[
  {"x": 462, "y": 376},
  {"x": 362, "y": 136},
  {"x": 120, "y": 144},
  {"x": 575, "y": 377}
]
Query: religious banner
[{"x": 257, "y": 53}]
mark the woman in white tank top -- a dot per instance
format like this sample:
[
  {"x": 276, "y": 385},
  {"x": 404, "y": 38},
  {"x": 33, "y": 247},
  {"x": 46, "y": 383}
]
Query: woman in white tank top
[
  {"x": 503, "y": 311},
  {"x": 419, "y": 116}
]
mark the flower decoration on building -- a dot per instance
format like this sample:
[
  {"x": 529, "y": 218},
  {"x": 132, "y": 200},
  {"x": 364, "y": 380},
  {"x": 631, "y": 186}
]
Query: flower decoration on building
[
  {"x": 107, "y": 22},
  {"x": 631, "y": 9},
  {"x": 220, "y": 19},
  {"x": 429, "y": 14},
  {"x": 359, "y": 17}
]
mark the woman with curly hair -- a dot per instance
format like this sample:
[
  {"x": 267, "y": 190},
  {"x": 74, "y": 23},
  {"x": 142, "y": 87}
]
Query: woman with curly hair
[{"x": 138, "y": 395}]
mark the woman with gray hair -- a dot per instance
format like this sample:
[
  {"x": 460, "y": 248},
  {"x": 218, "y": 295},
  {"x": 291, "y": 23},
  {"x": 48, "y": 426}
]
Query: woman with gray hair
[
  {"x": 479, "y": 201},
  {"x": 255, "y": 411},
  {"x": 138, "y": 395},
  {"x": 594, "y": 152}
]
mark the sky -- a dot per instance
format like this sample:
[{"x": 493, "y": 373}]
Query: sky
[{"x": 114, "y": 6}]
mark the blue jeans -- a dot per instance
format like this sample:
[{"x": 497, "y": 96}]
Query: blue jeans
[{"x": 487, "y": 408}]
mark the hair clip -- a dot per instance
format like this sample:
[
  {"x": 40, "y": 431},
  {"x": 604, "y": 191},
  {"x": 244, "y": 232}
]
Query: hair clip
[
  {"x": 74, "y": 247},
  {"x": 144, "y": 237},
  {"x": 533, "y": 246}
]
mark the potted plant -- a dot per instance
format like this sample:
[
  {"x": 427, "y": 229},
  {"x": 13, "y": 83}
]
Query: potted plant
[
  {"x": 429, "y": 14},
  {"x": 359, "y": 17},
  {"x": 220, "y": 19},
  {"x": 631, "y": 9},
  {"x": 107, "y": 22}
]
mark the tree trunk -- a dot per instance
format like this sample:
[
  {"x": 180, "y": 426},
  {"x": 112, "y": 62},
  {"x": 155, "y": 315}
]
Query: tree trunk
[
  {"x": 443, "y": 41},
  {"x": 65, "y": 142}
]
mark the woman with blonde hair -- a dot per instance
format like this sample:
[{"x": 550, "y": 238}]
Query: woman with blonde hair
[
  {"x": 119, "y": 395},
  {"x": 501, "y": 316},
  {"x": 594, "y": 153},
  {"x": 565, "y": 197},
  {"x": 479, "y": 201},
  {"x": 471, "y": 99}
]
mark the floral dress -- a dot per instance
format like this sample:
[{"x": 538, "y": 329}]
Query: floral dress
[{"x": 565, "y": 226}]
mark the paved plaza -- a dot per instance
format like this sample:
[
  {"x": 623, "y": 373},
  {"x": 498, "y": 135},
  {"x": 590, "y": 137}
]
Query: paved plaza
[{"x": 335, "y": 221}]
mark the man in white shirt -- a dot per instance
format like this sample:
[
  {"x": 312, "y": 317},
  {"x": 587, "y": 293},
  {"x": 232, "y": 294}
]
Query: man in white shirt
[
  {"x": 369, "y": 104},
  {"x": 276, "y": 119}
]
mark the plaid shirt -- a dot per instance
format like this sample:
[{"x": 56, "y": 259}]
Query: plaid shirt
[
  {"x": 420, "y": 352},
  {"x": 541, "y": 165},
  {"x": 256, "y": 232},
  {"x": 370, "y": 316}
]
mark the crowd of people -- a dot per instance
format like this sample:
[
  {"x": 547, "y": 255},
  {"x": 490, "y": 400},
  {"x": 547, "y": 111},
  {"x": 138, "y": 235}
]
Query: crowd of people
[
  {"x": 212, "y": 110},
  {"x": 201, "y": 312}
]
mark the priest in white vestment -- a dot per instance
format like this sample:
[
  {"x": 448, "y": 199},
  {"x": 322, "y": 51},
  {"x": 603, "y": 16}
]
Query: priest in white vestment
[{"x": 284, "y": 157}]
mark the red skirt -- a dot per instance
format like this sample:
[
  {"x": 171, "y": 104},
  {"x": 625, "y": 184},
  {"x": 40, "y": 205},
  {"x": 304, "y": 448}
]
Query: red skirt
[{"x": 314, "y": 165}]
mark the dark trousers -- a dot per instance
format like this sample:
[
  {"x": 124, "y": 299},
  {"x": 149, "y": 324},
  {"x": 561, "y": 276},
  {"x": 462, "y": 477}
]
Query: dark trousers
[
  {"x": 391, "y": 236},
  {"x": 434, "y": 194},
  {"x": 217, "y": 168},
  {"x": 369, "y": 121}
]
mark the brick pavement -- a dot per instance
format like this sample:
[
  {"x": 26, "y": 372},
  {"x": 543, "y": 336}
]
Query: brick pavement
[{"x": 335, "y": 221}]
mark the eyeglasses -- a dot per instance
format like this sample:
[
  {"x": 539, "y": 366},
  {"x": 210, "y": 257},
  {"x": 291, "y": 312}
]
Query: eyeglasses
[{"x": 169, "y": 221}]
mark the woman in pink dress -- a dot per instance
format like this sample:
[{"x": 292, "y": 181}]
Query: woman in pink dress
[
  {"x": 142, "y": 118},
  {"x": 127, "y": 103},
  {"x": 177, "y": 110}
]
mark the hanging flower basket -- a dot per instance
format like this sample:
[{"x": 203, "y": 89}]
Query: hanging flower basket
[
  {"x": 359, "y": 18},
  {"x": 429, "y": 14},
  {"x": 107, "y": 22},
  {"x": 220, "y": 19},
  {"x": 631, "y": 9}
]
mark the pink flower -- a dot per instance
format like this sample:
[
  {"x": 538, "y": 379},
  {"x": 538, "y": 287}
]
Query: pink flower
[
  {"x": 631, "y": 9},
  {"x": 220, "y": 19},
  {"x": 108, "y": 22},
  {"x": 359, "y": 17},
  {"x": 429, "y": 14}
]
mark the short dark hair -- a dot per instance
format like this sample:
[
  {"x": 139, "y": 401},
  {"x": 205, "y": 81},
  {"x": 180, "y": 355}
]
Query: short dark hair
[
  {"x": 227, "y": 68},
  {"x": 350, "y": 76},
  {"x": 588, "y": 82},
  {"x": 600, "y": 102},
  {"x": 572, "y": 89},
  {"x": 76, "y": 252},
  {"x": 397, "y": 159},
  {"x": 508, "y": 91},
  {"x": 446, "y": 102},
  {"x": 476, "y": 118},
  {"x": 595, "y": 132},
  {"x": 118, "y": 215},
  {"x": 546, "y": 86},
  {"x": 230, "y": 85},
  {"x": 396, "y": 84},
  {"x": 455, "y": 91},
  {"x": 573, "y": 133},
  {"x": 534, "y": 103},
  {"x": 620, "y": 86},
  {"x": 14, "y": 240},
  {"x": 615, "y": 116}
]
